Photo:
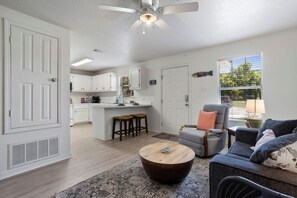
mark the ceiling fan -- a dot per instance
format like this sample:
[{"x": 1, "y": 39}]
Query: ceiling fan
[{"x": 150, "y": 10}]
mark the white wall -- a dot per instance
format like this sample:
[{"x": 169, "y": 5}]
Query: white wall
[
  {"x": 279, "y": 74},
  {"x": 64, "y": 131}
]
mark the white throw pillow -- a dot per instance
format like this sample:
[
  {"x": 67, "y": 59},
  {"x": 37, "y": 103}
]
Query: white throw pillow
[
  {"x": 268, "y": 135},
  {"x": 284, "y": 158}
]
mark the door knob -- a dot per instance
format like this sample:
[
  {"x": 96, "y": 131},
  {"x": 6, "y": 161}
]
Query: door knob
[{"x": 53, "y": 79}]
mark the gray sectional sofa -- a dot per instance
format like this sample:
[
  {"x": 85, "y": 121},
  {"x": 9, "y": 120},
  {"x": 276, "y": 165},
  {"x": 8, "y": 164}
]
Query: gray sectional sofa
[{"x": 237, "y": 162}]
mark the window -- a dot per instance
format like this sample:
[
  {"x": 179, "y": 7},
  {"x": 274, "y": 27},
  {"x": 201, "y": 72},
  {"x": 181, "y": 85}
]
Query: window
[
  {"x": 240, "y": 79},
  {"x": 125, "y": 87}
]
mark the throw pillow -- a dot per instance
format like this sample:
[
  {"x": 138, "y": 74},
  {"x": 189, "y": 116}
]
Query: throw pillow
[
  {"x": 279, "y": 127},
  {"x": 284, "y": 158},
  {"x": 206, "y": 120},
  {"x": 264, "y": 151},
  {"x": 268, "y": 135}
]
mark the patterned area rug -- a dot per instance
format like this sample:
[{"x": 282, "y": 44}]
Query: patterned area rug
[
  {"x": 166, "y": 136},
  {"x": 129, "y": 180}
]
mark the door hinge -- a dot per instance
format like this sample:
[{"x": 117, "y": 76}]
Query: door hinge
[
  {"x": 161, "y": 123},
  {"x": 162, "y": 101},
  {"x": 9, "y": 113},
  {"x": 9, "y": 39},
  {"x": 161, "y": 77}
]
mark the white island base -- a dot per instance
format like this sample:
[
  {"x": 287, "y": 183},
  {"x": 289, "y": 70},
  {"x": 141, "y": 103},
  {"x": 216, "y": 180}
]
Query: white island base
[{"x": 103, "y": 114}]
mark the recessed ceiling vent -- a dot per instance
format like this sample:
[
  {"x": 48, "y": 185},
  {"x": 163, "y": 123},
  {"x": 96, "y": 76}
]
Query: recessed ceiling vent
[{"x": 23, "y": 153}]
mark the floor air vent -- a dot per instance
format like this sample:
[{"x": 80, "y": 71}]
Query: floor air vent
[{"x": 27, "y": 152}]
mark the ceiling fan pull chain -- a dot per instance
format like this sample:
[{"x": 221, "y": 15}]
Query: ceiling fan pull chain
[{"x": 143, "y": 28}]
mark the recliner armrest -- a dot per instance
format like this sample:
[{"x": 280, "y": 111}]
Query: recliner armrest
[
  {"x": 190, "y": 126},
  {"x": 246, "y": 135},
  {"x": 216, "y": 131}
]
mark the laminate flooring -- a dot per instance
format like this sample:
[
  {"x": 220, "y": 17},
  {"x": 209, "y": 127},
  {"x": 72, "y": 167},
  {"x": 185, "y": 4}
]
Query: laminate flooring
[{"x": 90, "y": 156}]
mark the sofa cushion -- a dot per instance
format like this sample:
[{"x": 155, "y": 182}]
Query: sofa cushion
[
  {"x": 206, "y": 120},
  {"x": 268, "y": 135},
  {"x": 284, "y": 158},
  {"x": 241, "y": 149},
  {"x": 279, "y": 127},
  {"x": 262, "y": 153}
]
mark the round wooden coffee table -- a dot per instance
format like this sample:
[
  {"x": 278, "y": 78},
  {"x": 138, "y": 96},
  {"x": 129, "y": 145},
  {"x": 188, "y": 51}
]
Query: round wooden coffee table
[{"x": 167, "y": 168}]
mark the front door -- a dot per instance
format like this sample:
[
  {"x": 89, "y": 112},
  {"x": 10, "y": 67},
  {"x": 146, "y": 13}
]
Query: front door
[{"x": 175, "y": 98}]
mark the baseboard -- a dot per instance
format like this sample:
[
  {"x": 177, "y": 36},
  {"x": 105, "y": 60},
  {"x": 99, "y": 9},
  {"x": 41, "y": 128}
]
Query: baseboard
[
  {"x": 30, "y": 167},
  {"x": 155, "y": 130}
]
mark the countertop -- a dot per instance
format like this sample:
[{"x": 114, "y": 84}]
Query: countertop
[
  {"x": 105, "y": 105},
  {"x": 115, "y": 106}
]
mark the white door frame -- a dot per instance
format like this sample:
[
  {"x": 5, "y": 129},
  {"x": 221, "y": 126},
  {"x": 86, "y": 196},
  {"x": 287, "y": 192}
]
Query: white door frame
[
  {"x": 189, "y": 93},
  {"x": 7, "y": 83}
]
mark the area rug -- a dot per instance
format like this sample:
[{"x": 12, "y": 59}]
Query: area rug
[
  {"x": 166, "y": 136},
  {"x": 129, "y": 180}
]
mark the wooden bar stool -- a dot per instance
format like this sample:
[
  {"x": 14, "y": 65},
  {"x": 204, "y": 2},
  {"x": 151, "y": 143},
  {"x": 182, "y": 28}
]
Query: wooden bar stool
[
  {"x": 126, "y": 120},
  {"x": 138, "y": 128}
]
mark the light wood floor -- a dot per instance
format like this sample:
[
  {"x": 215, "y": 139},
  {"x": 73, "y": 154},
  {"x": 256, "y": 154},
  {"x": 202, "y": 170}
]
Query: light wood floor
[{"x": 90, "y": 157}]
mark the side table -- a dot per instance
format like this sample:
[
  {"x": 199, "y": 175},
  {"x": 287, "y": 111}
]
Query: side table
[{"x": 231, "y": 131}]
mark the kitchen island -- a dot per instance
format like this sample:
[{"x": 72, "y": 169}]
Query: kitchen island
[{"x": 103, "y": 114}]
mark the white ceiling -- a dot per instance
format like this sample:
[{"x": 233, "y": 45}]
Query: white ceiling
[{"x": 216, "y": 22}]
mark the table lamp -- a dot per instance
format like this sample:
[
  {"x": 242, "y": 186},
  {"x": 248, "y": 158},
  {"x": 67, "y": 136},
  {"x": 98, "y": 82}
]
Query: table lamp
[{"x": 257, "y": 107}]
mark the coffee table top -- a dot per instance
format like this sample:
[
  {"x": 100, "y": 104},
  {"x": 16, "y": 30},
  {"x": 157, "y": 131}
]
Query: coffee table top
[{"x": 180, "y": 153}]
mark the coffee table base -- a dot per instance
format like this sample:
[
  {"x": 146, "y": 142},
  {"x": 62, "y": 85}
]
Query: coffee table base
[{"x": 167, "y": 173}]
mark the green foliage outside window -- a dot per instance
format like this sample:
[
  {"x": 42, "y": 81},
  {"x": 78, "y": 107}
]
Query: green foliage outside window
[{"x": 242, "y": 76}]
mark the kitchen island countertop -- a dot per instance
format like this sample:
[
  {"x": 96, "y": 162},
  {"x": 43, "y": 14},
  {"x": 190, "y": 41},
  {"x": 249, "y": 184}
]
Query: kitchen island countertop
[{"x": 115, "y": 106}]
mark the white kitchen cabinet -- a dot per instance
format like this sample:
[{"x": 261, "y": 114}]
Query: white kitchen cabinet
[
  {"x": 76, "y": 81},
  {"x": 86, "y": 83},
  {"x": 135, "y": 78},
  {"x": 81, "y": 83},
  {"x": 95, "y": 83},
  {"x": 104, "y": 82},
  {"x": 81, "y": 115},
  {"x": 90, "y": 115}
]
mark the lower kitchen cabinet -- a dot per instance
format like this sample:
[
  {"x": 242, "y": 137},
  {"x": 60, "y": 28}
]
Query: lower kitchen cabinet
[{"x": 82, "y": 115}]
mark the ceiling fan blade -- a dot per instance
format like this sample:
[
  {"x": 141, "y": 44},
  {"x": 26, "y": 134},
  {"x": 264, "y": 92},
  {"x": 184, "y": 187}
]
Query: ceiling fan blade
[
  {"x": 186, "y": 7},
  {"x": 160, "y": 23},
  {"x": 134, "y": 26},
  {"x": 117, "y": 9},
  {"x": 146, "y": 3}
]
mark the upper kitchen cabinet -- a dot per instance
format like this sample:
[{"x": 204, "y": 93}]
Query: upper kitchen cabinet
[
  {"x": 104, "y": 82},
  {"x": 136, "y": 78},
  {"x": 87, "y": 83},
  {"x": 81, "y": 83}
]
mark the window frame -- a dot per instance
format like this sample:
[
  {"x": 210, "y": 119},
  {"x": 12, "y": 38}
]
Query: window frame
[{"x": 220, "y": 89}]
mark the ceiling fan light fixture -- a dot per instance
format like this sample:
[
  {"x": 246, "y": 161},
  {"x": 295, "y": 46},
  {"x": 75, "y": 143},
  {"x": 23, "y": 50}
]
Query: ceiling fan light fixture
[{"x": 148, "y": 18}]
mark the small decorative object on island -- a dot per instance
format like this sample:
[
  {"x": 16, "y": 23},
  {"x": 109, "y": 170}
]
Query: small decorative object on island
[
  {"x": 255, "y": 106},
  {"x": 202, "y": 74},
  {"x": 166, "y": 150}
]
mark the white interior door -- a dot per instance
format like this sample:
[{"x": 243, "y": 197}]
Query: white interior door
[
  {"x": 33, "y": 79},
  {"x": 175, "y": 99}
]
